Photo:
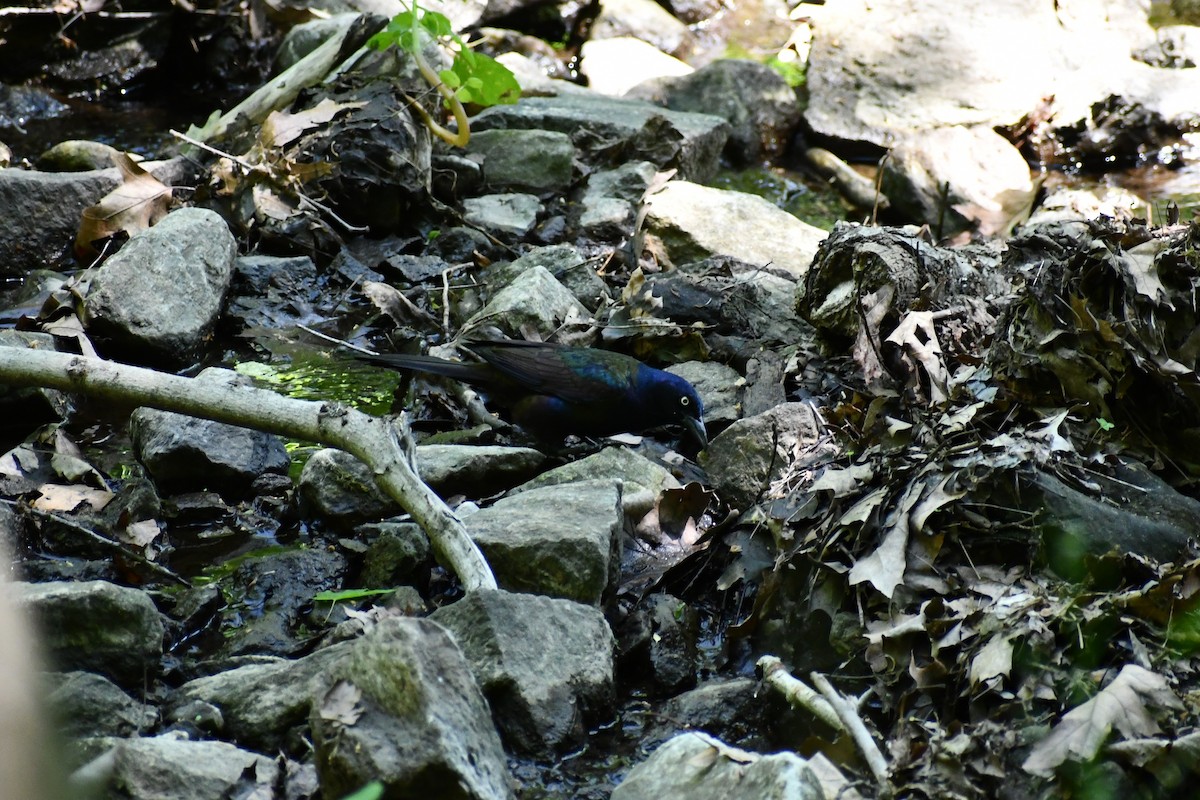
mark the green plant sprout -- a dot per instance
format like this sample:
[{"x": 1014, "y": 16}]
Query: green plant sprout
[{"x": 472, "y": 77}]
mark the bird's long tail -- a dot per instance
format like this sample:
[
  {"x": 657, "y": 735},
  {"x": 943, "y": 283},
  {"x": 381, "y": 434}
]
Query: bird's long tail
[{"x": 477, "y": 373}]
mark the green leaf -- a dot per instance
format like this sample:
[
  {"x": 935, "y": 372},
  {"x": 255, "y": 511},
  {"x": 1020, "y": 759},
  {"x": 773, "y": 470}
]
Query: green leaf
[
  {"x": 1104, "y": 424},
  {"x": 372, "y": 791},
  {"x": 348, "y": 594},
  {"x": 450, "y": 78},
  {"x": 491, "y": 83}
]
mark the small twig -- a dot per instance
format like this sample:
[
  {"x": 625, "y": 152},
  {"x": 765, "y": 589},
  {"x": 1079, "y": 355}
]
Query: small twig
[
  {"x": 847, "y": 712},
  {"x": 241, "y": 162},
  {"x": 446, "y": 300},
  {"x": 324, "y": 209},
  {"x": 103, "y": 541},
  {"x": 798, "y": 693}
]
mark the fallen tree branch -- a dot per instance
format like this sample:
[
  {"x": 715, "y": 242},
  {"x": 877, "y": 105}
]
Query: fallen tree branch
[
  {"x": 798, "y": 693},
  {"x": 373, "y": 440},
  {"x": 847, "y": 712}
]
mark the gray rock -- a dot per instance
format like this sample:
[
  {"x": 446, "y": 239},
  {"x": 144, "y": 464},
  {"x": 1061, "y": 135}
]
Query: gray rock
[
  {"x": 645, "y": 20},
  {"x": 507, "y": 216},
  {"x": 96, "y": 626},
  {"x": 642, "y": 480},
  {"x": 77, "y": 155},
  {"x": 475, "y": 470},
  {"x": 559, "y": 541},
  {"x": 876, "y": 71},
  {"x": 302, "y": 39},
  {"x": 183, "y": 453},
  {"x": 261, "y": 705},
  {"x": 564, "y": 262},
  {"x": 170, "y": 767},
  {"x": 524, "y": 160},
  {"x": 752, "y": 452},
  {"x": 618, "y": 65},
  {"x": 40, "y": 213},
  {"x": 85, "y": 704},
  {"x": 160, "y": 295},
  {"x": 689, "y": 142},
  {"x": 535, "y": 302},
  {"x": 403, "y": 709},
  {"x": 694, "y": 766},
  {"x": 959, "y": 179},
  {"x": 612, "y": 198},
  {"x": 759, "y": 106},
  {"x": 695, "y": 222},
  {"x": 734, "y": 711},
  {"x": 659, "y": 643},
  {"x": 720, "y": 388},
  {"x": 394, "y": 551},
  {"x": 340, "y": 489},
  {"x": 544, "y": 665}
]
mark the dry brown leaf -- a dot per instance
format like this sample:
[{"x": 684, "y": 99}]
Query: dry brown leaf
[
  {"x": 140, "y": 201},
  {"x": 55, "y": 497},
  {"x": 341, "y": 704},
  {"x": 1124, "y": 704},
  {"x": 994, "y": 660},
  {"x": 281, "y": 128}
]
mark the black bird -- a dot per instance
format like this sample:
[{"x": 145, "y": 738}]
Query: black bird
[{"x": 555, "y": 390}]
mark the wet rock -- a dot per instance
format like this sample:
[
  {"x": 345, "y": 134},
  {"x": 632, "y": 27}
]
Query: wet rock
[
  {"x": 615, "y": 65},
  {"x": 22, "y": 104},
  {"x": 642, "y": 480},
  {"x": 565, "y": 263},
  {"x": 394, "y": 551},
  {"x": 957, "y": 179},
  {"x": 734, "y": 711},
  {"x": 183, "y": 453},
  {"x": 270, "y": 594},
  {"x": 24, "y": 409},
  {"x": 461, "y": 244},
  {"x": 169, "y": 766},
  {"x": 752, "y": 452},
  {"x": 599, "y": 125},
  {"x": 159, "y": 297},
  {"x": 272, "y": 291},
  {"x": 534, "y": 301},
  {"x": 695, "y": 222},
  {"x": 506, "y": 216},
  {"x": 40, "y": 213},
  {"x": 524, "y": 160},
  {"x": 759, "y": 106},
  {"x": 544, "y": 665},
  {"x": 96, "y": 626},
  {"x": 559, "y": 541},
  {"x": 658, "y": 644},
  {"x": 720, "y": 389},
  {"x": 86, "y": 704},
  {"x": 694, "y": 766},
  {"x": 262, "y": 705},
  {"x": 645, "y": 20},
  {"x": 403, "y": 709}
]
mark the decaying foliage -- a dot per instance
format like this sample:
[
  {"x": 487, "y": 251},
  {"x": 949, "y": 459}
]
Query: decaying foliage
[{"x": 1008, "y": 518}]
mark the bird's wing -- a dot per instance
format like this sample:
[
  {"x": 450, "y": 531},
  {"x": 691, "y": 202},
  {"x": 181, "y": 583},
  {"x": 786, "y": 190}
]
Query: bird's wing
[{"x": 577, "y": 375}]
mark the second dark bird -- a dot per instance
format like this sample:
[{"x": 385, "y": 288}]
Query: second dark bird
[{"x": 555, "y": 391}]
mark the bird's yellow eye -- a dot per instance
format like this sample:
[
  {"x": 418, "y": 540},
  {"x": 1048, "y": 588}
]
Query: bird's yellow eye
[{"x": 685, "y": 401}]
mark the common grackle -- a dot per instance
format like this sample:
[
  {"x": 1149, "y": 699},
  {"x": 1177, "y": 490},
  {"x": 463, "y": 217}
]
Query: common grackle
[{"x": 555, "y": 390}]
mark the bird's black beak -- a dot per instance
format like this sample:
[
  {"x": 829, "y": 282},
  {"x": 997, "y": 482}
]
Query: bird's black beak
[{"x": 696, "y": 432}]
